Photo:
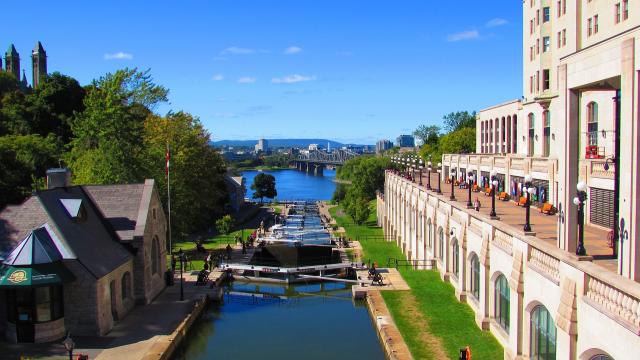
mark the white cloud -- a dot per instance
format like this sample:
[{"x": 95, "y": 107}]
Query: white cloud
[
  {"x": 463, "y": 35},
  {"x": 291, "y": 50},
  {"x": 246, "y": 80},
  {"x": 217, "y": 77},
  {"x": 292, "y": 79},
  {"x": 496, "y": 22},
  {"x": 118, "y": 56},
  {"x": 234, "y": 50}
]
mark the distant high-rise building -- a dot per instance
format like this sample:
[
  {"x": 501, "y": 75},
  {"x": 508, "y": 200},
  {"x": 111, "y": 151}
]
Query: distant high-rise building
[
  {"x": 328, "y": 146},
  {"x": 313, "y": 147},
  {"x": 406, "y": 141},
  {"x": 39, "y": 64},
  {"x": 382, "y": 145},
  {"x": 262, "y": 145},
  {"x": 12, "y": 61}
]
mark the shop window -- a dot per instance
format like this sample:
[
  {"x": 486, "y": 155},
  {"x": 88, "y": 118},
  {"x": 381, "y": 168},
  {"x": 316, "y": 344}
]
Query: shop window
[
  {"x": 543, "y": 334},
  {"x": 502, "y": 301}
]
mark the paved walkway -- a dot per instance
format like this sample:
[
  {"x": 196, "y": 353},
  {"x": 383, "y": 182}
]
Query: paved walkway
[{"x": 545, "y": 226}]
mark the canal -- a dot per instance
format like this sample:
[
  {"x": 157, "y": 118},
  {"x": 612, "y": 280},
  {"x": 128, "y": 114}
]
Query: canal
[
  {"x": 292, "y": 184},
  {"x": 285, "y": 321}
]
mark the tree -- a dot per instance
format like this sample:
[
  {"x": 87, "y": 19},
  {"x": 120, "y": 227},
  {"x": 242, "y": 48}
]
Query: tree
[
  {"x": 461, "y": 141},
  {"x": 223, "y": 225},
  {"x": 459, "y": 119},
  {"x": 427, "y": 134},
  {"x": 107, "y": 144},
  {"x": 198, "y": 188},
  {"x": 264, "y": 186}
]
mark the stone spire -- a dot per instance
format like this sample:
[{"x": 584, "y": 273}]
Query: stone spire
[
  {"x": 39, "y": 64},
  {"x": 12, "y": 61}
]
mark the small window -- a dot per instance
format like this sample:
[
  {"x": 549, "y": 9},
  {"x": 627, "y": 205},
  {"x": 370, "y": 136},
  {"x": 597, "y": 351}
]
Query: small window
[
  {"x": 545, "y": 79},
  {"x": 537, "y": 46},
  {"x": 559, "y": 6},
  {"x": 564, "y": 7},
  {"x": 546, "y": 14},
  {"x": 546, "y": 44},
  {"x": 559, "y": 37},
  {"x": 154, "y": 214},
  {"x": 538, "y": 17},
  {"x": 617, "y": 14},
  {"x": 595, "y": 24},
  {"x": 564, "y": 37},
  {"x": 625, "y": 9},
  {"x": 589, "y": 27},
  {"x": 126, "y": 285}
]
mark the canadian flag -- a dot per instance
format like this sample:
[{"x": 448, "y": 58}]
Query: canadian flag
[{"x": 168, "y": 159}]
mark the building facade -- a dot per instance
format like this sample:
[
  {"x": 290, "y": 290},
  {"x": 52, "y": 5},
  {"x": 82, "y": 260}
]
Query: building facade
[
  {"x": 105, "y": 252},
  {"x": 406, "y": 141},
  {"x": 575, "y": 123},
  {"x": 262, "y": 146},
  {"x": 382, "y": 145}
]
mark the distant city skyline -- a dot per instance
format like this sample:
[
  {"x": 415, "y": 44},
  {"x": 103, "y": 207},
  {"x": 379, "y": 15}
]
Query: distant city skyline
[{"x": 352, "y": 72}]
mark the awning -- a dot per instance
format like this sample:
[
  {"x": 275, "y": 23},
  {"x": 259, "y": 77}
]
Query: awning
[{"x": 35, "y": 275}]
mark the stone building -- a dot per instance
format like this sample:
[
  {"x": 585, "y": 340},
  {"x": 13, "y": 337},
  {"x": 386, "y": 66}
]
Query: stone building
[
  {"x": 577, "y": 124},
  {"x": 110, "y": 239},
  {"x": 38, "y": 65}
]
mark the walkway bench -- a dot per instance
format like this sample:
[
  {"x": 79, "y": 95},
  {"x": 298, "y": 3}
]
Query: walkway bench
[
  {"x": 487, "y": 192},
  {"x": 503, "y": 196},
  {"x": 547, "y": 209},
  {"x": 475, "y": 188},
  {"x": 522, "y": 201}
]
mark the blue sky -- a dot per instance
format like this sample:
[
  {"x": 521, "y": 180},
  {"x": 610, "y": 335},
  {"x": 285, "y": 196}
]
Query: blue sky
[{"x": 352, "y": 71}]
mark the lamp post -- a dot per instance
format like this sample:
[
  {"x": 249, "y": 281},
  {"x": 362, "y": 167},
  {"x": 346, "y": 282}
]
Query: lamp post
[
  {"x": 528, "y": 188},
  {"x": 429, "y": 175},
  {"x": 494, "y": 187},
  {"x": 181, "y": 257},
  {"x": 69, "y": 345},
  {"x": 470, "y": 182},
  {"x": 420, "y": 167},
  {"x": 579, "y": 201},
  {"x": 439, "y": 170},
  {"x": 452, "y": 197}
]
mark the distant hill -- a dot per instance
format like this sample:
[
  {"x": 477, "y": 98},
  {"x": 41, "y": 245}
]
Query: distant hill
[{"x": 281, "y": 143}]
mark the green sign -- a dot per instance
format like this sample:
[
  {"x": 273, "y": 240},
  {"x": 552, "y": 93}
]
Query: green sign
[{"x": 37, "y": 275}]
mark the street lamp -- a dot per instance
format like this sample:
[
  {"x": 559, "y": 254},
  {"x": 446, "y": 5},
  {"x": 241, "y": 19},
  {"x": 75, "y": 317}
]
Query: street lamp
[
  {"x": 69, "y": 345},
  {"x": 579, "y": 201},
  {"x": 470, "y": 182},
  {"x": 439, "y": 170},
  {"x": 429, "y": 175},
  {"x": 494, "y": 187},
  {"x": 452, "y": 197},
  {"x": 181, "y": 257},
  {"x": 528, "y": 188},
  {"x": 421, "y": 166}
]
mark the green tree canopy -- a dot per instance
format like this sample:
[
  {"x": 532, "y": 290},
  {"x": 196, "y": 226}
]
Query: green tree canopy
[
  {"x": 461, "y": 141},
  {"x": 459, "y": 119},
  {"x": 107, "y": 146},
  {"x": 427, "y": 134},
  {"x": 223, "y": 225},
  {"x": 264, "y": 186}
]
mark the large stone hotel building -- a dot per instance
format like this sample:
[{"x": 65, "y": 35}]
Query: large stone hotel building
[{"x": 577, "y": 122}]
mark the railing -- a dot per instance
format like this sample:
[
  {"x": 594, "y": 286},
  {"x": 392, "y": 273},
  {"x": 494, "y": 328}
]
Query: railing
[
  {"x": 503, "y": 241},
  {"x": 416, "y": 264},
  {"x": 616, "y": 304},
  {"x": 597, "y": 170},
  {"x": 545, "y": 264}
]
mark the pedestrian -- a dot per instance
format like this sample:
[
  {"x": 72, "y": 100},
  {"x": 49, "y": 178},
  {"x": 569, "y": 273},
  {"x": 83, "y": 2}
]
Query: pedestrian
[
  {"x": 229, "y": 252},
  {"x": 244, "y": 248},
  {"x": 476, "y": 204}
]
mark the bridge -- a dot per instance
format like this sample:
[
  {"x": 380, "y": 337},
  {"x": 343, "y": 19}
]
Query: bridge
[{"x": 316, "y": 160}]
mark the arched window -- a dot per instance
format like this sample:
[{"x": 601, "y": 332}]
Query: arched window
[
  {"x": 514, "y": 138},
  {"x": 475, "y": 276},
  {"x": 125, "y": 282},
  {"x": 482, "y": 137},
  {"x": 455, "y": 257},
  {"x": 441, "y": 244},
  {"x": 155, "y": 256},
  {"x": 592, "y": 123},
  {"x": 546, "y": 118},
  {"x": 601, "y": 357},
  {"x": 532, "y": 123},
  {"x": 501, "y": 303},
  {"x": 543, "y": 334}
]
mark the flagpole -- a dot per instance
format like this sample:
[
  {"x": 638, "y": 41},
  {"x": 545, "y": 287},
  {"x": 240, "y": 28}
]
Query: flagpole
[{"x": 169, "y": 195}]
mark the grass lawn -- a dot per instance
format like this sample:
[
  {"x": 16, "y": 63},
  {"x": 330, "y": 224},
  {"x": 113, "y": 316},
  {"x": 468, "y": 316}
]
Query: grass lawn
[{"x": 430, "y": 318}]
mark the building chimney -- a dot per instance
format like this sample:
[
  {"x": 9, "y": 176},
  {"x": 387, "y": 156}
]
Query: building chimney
[{"x": 58, "y": 177}]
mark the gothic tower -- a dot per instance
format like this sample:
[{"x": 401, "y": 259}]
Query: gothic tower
[
  {"x": 39, "y": 64},
  {"x": 12, "y": 62}
]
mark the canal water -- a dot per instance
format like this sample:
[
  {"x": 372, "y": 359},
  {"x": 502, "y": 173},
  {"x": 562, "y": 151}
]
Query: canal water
[
  {"x": 292, "y": 184},
  {"x": 272, "y": 321}
]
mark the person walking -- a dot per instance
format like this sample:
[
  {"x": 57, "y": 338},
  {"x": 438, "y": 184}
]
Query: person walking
[{"x": 476, "y": 204}]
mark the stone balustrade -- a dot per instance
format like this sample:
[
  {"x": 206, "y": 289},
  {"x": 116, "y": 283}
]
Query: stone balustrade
[
  {"x": 504, "y": 241},
  {"x": 618, "y": 305},
  {"x": 545, "y": 264}
]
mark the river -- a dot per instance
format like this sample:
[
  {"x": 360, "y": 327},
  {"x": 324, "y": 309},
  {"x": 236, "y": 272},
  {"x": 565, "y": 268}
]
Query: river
[{"x": 292, "y": 184}]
